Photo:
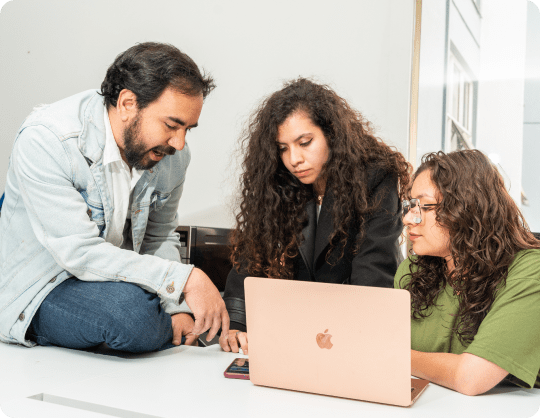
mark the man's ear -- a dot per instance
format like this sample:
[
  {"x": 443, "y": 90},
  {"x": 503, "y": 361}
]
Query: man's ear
[{"x": 126, "y": 105}]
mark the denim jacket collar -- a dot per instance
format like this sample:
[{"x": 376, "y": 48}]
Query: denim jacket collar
[{"x": 92, "y": 136}]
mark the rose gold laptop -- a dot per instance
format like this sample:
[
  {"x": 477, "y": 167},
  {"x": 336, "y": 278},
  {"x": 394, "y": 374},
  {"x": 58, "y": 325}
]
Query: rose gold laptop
[{"x": 331, "y": 339}]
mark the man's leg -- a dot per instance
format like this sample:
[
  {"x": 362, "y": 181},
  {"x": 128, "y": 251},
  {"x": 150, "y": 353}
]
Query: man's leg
[{"x": 79, "y": 314}]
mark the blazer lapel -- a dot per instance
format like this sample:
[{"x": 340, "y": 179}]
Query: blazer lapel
[
  {"x": 308, "y": 246},
  {"x": 325, "y": 226}
]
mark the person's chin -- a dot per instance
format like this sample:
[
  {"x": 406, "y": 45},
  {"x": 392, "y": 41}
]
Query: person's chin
[
  {"x": 307, "y": 179},
  {"x": 416, "y": 248},
  {"x": 420, "y": 249},
  {"x": 146, "y": 164}
]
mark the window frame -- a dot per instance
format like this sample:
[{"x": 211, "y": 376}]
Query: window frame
[{"x": 459, "y": 127}]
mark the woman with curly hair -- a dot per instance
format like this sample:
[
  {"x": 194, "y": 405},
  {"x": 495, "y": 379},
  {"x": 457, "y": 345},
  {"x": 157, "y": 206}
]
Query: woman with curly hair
[
  {"x": 319, "y": 198},
  {"x": 475, "y": 278}
]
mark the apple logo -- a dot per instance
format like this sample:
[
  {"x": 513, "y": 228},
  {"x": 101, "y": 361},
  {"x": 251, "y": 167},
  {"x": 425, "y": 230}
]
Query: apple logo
[{"x": 323, "y": 340}]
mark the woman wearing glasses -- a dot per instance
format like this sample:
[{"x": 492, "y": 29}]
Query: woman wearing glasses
[
  {"x": 319, "y": 198},
  {"x": 475, "y": 278}
]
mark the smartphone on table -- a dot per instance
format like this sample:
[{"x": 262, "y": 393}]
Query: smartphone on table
[{"x": 239, "y": 369}]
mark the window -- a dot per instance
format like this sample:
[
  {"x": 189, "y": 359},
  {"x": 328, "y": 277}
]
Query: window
[{"x": 460, "y": 107}]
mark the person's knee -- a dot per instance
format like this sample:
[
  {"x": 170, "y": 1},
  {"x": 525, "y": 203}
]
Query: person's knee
[
  {"x": 80, "y": 314},
  {"x": 137, "y": 321}
]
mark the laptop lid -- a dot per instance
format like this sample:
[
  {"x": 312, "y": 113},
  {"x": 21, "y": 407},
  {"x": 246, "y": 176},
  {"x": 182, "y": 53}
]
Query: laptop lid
[{"x": 331, "y": 339}]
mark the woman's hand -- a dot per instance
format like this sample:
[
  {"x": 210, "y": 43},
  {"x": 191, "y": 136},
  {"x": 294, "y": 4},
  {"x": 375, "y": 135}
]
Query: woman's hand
[{"x": 234, "y": 340}]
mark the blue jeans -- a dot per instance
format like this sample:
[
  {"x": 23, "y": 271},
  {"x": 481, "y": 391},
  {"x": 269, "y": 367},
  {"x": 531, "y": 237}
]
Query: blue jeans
[{"x": 79, "y": 314}]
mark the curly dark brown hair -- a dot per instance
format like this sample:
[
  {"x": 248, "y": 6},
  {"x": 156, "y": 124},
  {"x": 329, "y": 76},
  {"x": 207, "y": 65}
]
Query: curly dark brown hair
[
  {"x": 486, "y": 230},
  {"x": 272, "y": 201}
]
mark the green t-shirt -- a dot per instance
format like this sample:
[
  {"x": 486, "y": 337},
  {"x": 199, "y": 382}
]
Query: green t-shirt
[{"x": 509, "y": 335}]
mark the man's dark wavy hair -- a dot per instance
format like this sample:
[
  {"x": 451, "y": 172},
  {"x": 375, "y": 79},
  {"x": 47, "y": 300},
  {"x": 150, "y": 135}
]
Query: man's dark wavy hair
[
  {"x": 272, "y": 200},
  {"x": 486, "y": 230},
  {"x": 147, "y": 69}
]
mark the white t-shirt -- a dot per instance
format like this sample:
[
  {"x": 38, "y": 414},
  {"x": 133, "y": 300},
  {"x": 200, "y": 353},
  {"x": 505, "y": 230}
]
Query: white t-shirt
[{"x": 121, "y": 181}]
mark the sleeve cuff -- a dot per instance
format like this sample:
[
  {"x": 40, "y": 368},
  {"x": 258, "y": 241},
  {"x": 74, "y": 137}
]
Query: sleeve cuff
[
  {"x": 173, "y": 308},
  {"x": 503, "y": 361},
  {"x": 238, "y": 326},
  {"x": 170, "y": 291},
  {"x": 236, "y": 308}
]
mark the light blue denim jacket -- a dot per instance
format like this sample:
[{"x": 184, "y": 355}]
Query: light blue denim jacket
[{"x": 57, "y": 209}]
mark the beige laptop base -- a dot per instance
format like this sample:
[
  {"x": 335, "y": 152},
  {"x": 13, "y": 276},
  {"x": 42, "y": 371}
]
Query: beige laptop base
[{"x": 370, "y": 341}]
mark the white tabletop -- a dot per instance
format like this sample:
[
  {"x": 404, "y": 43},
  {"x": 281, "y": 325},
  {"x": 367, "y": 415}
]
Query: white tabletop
[{"x": 189, "y": 382}]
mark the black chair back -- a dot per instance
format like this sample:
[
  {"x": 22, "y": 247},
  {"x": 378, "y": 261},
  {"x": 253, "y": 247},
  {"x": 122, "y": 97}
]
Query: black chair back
[{"x": 207, "y": 248}]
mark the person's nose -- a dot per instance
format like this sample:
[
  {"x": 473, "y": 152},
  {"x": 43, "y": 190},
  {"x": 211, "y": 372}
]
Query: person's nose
[
  {"x": 297, "y": 156},
  {"x": 408, "y": 219},
  {"x": 178, "y": 141}
]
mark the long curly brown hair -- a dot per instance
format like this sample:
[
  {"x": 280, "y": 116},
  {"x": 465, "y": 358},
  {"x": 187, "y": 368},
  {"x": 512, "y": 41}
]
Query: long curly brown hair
[
  {"x": 272, "y": 201},
  {"x": 486, "y": 230}
]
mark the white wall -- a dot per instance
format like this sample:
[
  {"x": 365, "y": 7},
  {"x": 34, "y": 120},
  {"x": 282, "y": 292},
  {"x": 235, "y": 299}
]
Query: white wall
[
  {"x": 501, "y": 88},
  {"x": 531, "y": 120},
  {"x": 463, "y": 33},
  {"x": 50, "y": 49}
]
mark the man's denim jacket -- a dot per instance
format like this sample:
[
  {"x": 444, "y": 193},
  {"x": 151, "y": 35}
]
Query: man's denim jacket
[{"x": 57, "y": 209}]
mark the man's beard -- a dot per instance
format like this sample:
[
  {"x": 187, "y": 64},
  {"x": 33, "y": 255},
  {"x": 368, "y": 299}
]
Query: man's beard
[{"x": 135, "y": 150}]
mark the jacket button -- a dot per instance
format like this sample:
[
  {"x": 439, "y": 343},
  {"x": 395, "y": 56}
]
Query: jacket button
[
  {"x": 21, "y": 317},
  {"x": 52, "y": 280},
  {"x": 170, "y": 289}
]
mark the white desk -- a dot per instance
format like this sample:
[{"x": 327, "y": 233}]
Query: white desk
[{"x": 189, "y": 382}]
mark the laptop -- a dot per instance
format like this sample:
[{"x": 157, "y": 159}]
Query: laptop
[{"x": 331, "y": 339}]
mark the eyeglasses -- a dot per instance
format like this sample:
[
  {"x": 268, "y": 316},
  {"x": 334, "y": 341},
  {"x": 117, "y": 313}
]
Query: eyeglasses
[{"x": 415, "y": 206}]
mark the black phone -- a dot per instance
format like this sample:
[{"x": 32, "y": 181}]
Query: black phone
[
  {"x": 239, "y": 369},
  {"x": 202, "y": 340}
]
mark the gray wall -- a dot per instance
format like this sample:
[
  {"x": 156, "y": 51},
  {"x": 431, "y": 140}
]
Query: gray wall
[{"x": 50, "y": 49}]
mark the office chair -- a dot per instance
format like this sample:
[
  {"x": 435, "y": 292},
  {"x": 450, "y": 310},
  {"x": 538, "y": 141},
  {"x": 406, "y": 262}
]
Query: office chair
[
  {"x": 207, "y": 248},
  {"x": 536, "y": 235}
]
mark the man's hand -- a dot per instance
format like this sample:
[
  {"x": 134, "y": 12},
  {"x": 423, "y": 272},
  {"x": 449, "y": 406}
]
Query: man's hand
[
  {"x": 206, "y": 304},
  {"x": 182, "y": 325}
]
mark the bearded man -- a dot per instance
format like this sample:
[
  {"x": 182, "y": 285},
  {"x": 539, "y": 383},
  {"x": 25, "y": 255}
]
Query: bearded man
[{"x": 88, "y": 248}]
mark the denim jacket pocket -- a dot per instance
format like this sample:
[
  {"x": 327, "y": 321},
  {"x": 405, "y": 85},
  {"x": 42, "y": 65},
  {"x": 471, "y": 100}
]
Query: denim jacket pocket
[
  {"x": 158, "y": 200},
  {"x": 95, "y": 211}
]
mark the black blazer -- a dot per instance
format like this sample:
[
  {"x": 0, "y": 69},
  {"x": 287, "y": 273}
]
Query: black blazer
[{"x": 374, "y": 264}]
